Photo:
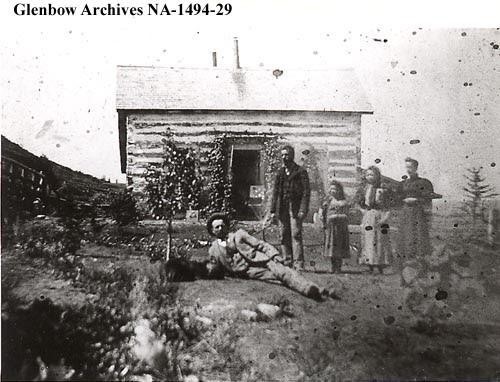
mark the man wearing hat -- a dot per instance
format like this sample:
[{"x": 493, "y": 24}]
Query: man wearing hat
[{"x": 241, "y": 255}]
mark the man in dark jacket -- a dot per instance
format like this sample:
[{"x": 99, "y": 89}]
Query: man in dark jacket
[{"x": 290, "y": 202}]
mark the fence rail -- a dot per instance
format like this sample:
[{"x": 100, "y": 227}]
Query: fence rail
[{"x": 34, "y": 179}]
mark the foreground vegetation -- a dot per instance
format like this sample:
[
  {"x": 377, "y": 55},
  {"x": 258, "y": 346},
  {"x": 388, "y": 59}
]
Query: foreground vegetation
[
  {"x": 130, "y": 325},
  {"x": 116, "y": 318}
]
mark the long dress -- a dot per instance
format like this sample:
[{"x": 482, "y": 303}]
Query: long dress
[
  {"x": 335, "y": 221},
  {"x": 375, "y": 240},
  {"x": 414, "y": 219}
]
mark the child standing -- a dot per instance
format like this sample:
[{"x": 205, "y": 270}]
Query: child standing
[{"x": 335, "y": 222}]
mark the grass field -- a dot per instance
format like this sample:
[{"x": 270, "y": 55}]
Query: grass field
[{"x": 114, "y": 296}]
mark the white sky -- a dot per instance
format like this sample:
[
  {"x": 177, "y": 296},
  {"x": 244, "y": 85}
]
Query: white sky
[{"x": 58, "y": 75}]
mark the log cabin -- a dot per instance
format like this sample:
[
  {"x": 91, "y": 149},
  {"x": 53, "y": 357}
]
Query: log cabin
[{"x": 316, "y": 111}]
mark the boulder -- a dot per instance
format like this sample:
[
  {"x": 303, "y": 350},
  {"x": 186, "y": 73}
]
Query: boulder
[
  {"x": 217, "y": 307},
  {"x": 249, "y": 315},
  {"x": 142, "y": 378},
  {"x": 204, "y": 320},
  {"x": 268, "y": 312},
  {"x": 410, "y": 273}
]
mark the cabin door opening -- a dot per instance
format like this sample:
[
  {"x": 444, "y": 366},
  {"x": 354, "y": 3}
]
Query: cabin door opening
[{"x": 247, "y": 172}]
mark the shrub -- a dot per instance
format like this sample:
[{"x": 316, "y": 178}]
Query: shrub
[
  {"x": 272, "y": 163},
  {"x": 123, "y": 208},
  {"x": 51, "y": 238},
  {"x": 174, "y": 187},
  {"x": 98, "y": 341},
  {"x": 219, "y": 183}
]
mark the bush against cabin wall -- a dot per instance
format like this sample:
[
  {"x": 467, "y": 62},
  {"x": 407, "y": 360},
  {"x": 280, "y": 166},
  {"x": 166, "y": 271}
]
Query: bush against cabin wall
[
  {"x": 176, "y": 185},
  {"x": 219, "y": 183},
  {"x": 311, "y": 164},
  {"x": 272, "y": 163},
  {"x": 123, "y": 208}
]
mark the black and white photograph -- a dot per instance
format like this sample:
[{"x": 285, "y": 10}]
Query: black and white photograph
[{"x": 250, "y": 191}]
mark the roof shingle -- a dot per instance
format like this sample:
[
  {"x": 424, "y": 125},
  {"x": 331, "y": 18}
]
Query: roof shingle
[{"x": 163, "y": 88}]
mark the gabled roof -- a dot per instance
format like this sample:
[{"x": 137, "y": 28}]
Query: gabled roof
[{"x": 162, "y": 88}]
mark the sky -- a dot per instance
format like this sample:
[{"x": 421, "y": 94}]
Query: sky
[{"x": 430, "y": 76}]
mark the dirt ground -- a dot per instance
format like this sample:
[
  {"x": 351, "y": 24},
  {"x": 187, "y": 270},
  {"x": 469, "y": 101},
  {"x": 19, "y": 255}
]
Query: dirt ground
[{"x": 369, "y": 334}]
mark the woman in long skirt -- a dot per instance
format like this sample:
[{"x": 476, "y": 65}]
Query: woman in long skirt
[
  {"x": 335, "y": 212},
  {"x": 372, "y": 198}
]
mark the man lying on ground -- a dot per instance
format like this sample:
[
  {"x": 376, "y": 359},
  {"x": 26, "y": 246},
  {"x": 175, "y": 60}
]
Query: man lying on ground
[
  {"x": 241, "y": 255},
  {"x": 238, "y": 254}
]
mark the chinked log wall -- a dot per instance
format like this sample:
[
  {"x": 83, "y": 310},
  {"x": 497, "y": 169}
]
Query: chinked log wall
[{"x": 335, "y": 136}]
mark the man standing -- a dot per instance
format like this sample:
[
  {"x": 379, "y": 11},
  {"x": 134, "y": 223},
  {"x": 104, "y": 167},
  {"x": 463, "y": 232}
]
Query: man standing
[
  {"x": 241, "y": 255},
  {"x": 416, "y": 194},
  {"x": 290, "y": 202}
]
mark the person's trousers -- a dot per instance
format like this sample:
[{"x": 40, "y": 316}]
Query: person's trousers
[
  {"x": 274, "y": 271},
  {"x": 291, "y": 237}
]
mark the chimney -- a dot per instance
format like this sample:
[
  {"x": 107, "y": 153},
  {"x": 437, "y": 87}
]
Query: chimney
[
  {"x": 214, "y": 59},
  {"x": 236, "y": 54}
]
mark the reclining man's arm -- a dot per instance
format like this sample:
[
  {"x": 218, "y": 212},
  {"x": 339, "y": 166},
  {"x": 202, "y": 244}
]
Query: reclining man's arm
[{"x": 258, "y": 245}]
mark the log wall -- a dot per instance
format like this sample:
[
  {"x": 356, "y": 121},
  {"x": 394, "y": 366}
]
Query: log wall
[{"x": 336, "y": 137}]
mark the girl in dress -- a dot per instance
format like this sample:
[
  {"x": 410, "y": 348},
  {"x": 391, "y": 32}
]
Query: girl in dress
[
  {"x": 335, "y": 223},
  {"x": 372, "y": 198}
]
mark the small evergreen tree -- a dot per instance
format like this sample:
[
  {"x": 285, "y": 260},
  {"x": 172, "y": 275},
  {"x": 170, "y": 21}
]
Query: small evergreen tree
[
  {"x": 123, "y": 208},
  {"x": 476, "y": 192},
  {"x": 173, "y": 187}
]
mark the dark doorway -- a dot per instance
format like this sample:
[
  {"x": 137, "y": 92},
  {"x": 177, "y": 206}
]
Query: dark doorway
[{"x": 246, "y": 173}]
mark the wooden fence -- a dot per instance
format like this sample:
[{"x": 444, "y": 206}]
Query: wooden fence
[{"x": 31, "y": 179}]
